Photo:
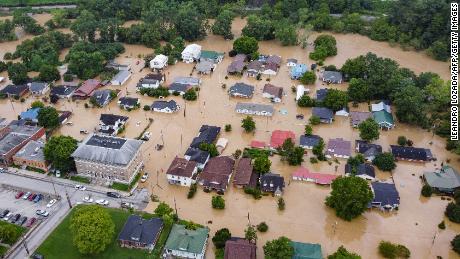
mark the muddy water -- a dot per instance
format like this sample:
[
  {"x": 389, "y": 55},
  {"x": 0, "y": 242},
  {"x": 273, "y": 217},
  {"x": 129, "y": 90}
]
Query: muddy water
[{"x": 306, "y": 218}]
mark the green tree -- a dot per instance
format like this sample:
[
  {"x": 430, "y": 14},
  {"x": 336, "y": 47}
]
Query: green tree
[
  {"x": 92, "y": 229},
  {"x": 453, "y": 212},
  {"x": 250, "y": 234},
  {"x": 163, "y": 209},
  {"x": 9, "y": 234},
  {"x": 308, "y": 130},
  {"x": 49, "y": 73},
  {"x": 349, "y": 197},
  {"x": 210, "y": 148},
  {"x": 427, "y": 191},
  {"x": 280, "y": 248},
  {"x": 218, "y": 202},
  {"x": 37, "y": 104},
  {"x": 409, "y": 103},
  {"x": 343, "y": 253},
  {"x": 456, "y": 244},
  {"x": 85, "y": 26},
  {"x": 325, "y": 46},
  {"x": 402, "y": 140},
  {"x": 190, "y": 95},
  {"x": 306, "y": 101},
  {"x": 314, "y": 120},
  {"x": 369, "y": 130},
  {"x": 248, "y": 124},
  {"x": 189, "y": 22},
  {"x": 385, "y": 161},
  {"x": 58, "y": 151},
  {"x": 358, "y": 90},
  {"x": 262, "y": 164},
  {"x": 318, "y": 150},
  {"x": 245, "y": 45},
  {"x": 48, "y": 117},
  {"x": 335, "y": 99},
  {"x": 259, "y": 28},
  {"x": 281, "y": 203},
  {"x": 392, "y": 251},
  {"x": 262, "y": 227},
  {"x": 85, "y": 65},
  {"x": 220, "y": 237},
  {"x": 308, "y": 78},
  {"x": 17, "y": 72},
  {"x": 286, "y": 33},
  {"x": 223, "y": 24}
]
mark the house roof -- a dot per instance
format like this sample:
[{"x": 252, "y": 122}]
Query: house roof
[
  {"x": 192, "y": 48},
  {"x": 273, "y": 59},
  {"x": 62, "y": 90},
  {"x": 255, "y": 65},
  {"x": 137, "y": 229},
  {"x": 323, "y": 113},
  {"x": 413, "y": 153},
  {"x": 368, "y": 149},
  {"x": 217, "y": 172},
  {"x": 121, "y": 75},
  {"x": 204, "y": 66},
  {"x": 273, "y": 90},
  {"x": 197, "y": 155},
  {"x": 210, "y": 54},
  {"x": 271, "y": 66},
  {"x": 239, "y": 248},
  {"x": 362, "y": 169},
  {"x": 108, "y": 150},
  {"x": 30, "y": 114},
  {"x": 14, "y": 89},
  {"x": 102, "y": 96},
  {"x": 291, "y": 60},
  {"x": 128, "y": 101},
  {"x": 306, "y": 251},
  {"x": 171, "y": 104},
  {"x": 340, "y": 146},
  {"x": 255, "y": 107},
  {"x": 271, "y": 182},
  {"x": 155, "y": 76},
  {"x": 376, "y": 107},
  {"x": 178, "y": 87},
  {"x": 19, "y": 133},
  {"x": 181, "y": 167},
  {"x": 235, "y": 66},
  {"x": 187, "y": 80},
  {"x": 258, "y": 144},
  {"x": 240, "y": 57},
  {"x": 309, "y": 141},
  {"x": 385, "y": 193},
  {"x": 208, "y": 134},
  {"x": 299, "y": 69},
  {"x": 321, "y": 94},
  {"x": 445, "y": 178},
  {"x": 241, "y": 89},
  {"x": 319, "y": 178},
  {"x": 358, "y": 117},
  {"x": 112, "y": 119},
  {"x": 33, "y": 150},
  {"x": 187, "y": 240},
  {"x": 37, "y": 86},
  {"x": 87, "y": 87},
  {"x": 243, "y": 172},
  {"x": 279, "y": 136},
  {"x": 383, "y": 117},
  {"x": 332, "y": 76}
]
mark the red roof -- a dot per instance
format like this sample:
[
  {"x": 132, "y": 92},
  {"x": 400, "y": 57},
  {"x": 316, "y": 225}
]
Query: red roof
[
  {"x": 279, "y": 136},
  {"x": 318, "y": 178},
  {"x": 258, "y": 144},
  {"x": 87, "y": 88}
]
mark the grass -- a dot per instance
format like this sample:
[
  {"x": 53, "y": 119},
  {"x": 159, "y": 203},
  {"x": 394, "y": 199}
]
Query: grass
[
  {"x": 34, "y": 2},
  {"x": 59, "y": 242},
  {"x": 80, "y": 179},
  {"x": 19, "y": 232},
  {"x": 34, "y": 169},
  {"x": 125, "y": 187}
]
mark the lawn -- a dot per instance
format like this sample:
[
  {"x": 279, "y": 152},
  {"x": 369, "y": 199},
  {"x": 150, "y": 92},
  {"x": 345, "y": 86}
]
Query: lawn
[
  {"x": 79, "y": 179},
  {"x": 124, "y": 187},
  {"x": 19, "y": 231},
  {"x": 59, "y": 242},
  {"x": 35, "y": 2}
]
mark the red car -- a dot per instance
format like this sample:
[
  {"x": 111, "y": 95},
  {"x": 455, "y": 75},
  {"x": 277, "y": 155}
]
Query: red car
[
  {"x": 31, "y": 222},
  {"x": 32, "y": 197},
  {"x": 19, "y": 195}
]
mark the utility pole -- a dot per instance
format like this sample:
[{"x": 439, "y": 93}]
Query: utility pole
[
  {"x": 24, "y": 243},
  {"x": 68, "y": 199},
  {"x": 175, "y": 206}
]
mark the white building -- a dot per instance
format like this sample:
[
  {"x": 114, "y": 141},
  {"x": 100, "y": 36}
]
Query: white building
[
  {"x": 121, "y": 77},
  {"x": 159, "y": 62},
  {"x": 181, "y": 172},
  {"x": 301, "y": 90},
  {"x": 191, "y": 53},
  {"x": 254, "y": 109}
]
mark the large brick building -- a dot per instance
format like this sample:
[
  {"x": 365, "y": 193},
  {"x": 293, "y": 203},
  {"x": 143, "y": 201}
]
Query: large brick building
[{"x": 107, "y": 159}]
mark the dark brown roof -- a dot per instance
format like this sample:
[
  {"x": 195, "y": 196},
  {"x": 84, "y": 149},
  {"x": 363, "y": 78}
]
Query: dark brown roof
[
  {"x": 157, "y": 76},
  {"x": 274, "y": 59},
  {"x": 236, "y": 66},
  {"x": 273, "y": 90},
  {"x": 181, "y": 167},
  {"x": 255, "y": 65},
  {"x": 243, "y": 172},
  {"x": 239, "y": 248},
  {"x": 217, "y": 172}
]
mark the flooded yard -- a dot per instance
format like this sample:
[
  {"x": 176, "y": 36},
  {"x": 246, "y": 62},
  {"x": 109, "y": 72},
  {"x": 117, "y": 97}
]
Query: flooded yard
[{"x": 306, "y": 218}]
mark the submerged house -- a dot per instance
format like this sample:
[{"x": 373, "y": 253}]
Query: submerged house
[
  {"x": 272, "y": 183},
  {"x": 236, "y": 67},
  {"x": 332, "y": 77},
  {"x": 179, "y": 88},
  {"x": 187, "y": 80},
  {"x": 63, "y": 91},
  {"x": 364, "y": 170},
  {"x": 413, "y": 154},
  {"x": 14, "y": 91},
  {"x": 386, "y": 197},
  {"x": 165, "y": 106},
  {"x": 87, "y": 89},
  {"x": 159, "y": 62},
  {"x": 205, "y": 67},
  {"x": 239, "y": 248},
  {"x": 151, "y": 81},
  {"x": 321, "y": 94},
  {"x": 298, "y": 70},
  {"x": 244, "y": 174},
  {"x": 279, "y": 136},
  {"x": 241, "y": 90},
  {"x": 208, "y": 134},
  {"x": 111, "y": 124},
  {"x": 309, "y": 141},
  {"x": 357, "y": 117},
  {"x": 38, "y": 88},
  {"x": 338, "y": 148},
  {"x": 30, "y": 115},
  {"x": 140, "y": 233},
  {"x": 254, "y": 68},
  {"x": 197, "y": 155},
  {"x": 191, "y": 53},
  {"x": 384, "y": 119},
  {"x": 445, "y": 180},
  {"x": 369, "y": 150},
  {"x": 254, "y": 109},
  {"x": 274, "y": 93},
  {"x": 306, "y": 250},
  {"x": 381, "y": 106},
  {"x": 303, "y": 174},
  {"x": 186, "y": 243},
  {"x": 121, "y": 77},
  {"x": 291, "y": 62},
  {"x": 182, "y": 172},
  {"x": 211, "y": 56},
  {"x": 325, "y": 115},
  {"x": 102, "y": 97},
  {"x": 128, "y": 103},
  {"x": 217, "y": 173}
]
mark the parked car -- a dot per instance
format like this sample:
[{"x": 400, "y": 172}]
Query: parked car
[
  {"x": 21, "y": 221},
  {"x": 51, "y": 203},
  {"x": 31, "y": 222},
  {"x": 102, "y": 202},
  {"x": 15, "y": 218},
  {"x": 144, "y": 177},
  {"x": 32, "y": 197},
  {"x": 43, "y": 213},
  {"x": 88, "y": 199},
  {"x": 4, "y": 213},
  {"x": 114, "y": 194},
  {"x": 127, "y": 205},
  {"x": 38, "y": 198},
  {"x": 80, "y": 187},
  {"x": 37, "y": 256},
  {"x": 19, "y": 195},
  {"x": 7, "y": 216},
  {"x": 26, "y": 196}
]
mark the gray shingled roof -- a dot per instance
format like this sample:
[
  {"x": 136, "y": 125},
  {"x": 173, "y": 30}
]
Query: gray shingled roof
[
  {"x": 32, "y": 151},
  {"x": 107, "y": 150},
  {"x": 241, "y": 89}
]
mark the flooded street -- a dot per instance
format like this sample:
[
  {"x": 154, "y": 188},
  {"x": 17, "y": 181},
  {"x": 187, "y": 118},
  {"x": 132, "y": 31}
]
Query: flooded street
[{"x": 306, "y": 218}]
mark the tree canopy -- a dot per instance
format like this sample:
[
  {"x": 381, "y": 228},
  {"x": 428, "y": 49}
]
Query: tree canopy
[
  {"x": 280, "y": 248},
  {"x": 48, "y": 117},
  {"x": 220, "y": 237},
  {"x": 262, "y": 164},
  {"x": 245, "y": 45},
  {"x": 248, "y": 124},
  {"x": 58, "y": 151},
  {"x": 343, "y": 253},
  {"x": 385, "y": 161},
  {"x": 369, "y": 130}
]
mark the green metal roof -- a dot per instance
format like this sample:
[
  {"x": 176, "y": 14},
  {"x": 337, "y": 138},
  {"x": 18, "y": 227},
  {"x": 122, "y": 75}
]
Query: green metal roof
[
  {"x": 383, "y": 117},
  {"x": 306, "y": 251},
  {"x": 446, "y": 178},
  {"x": 182, "y": 239},
  {"x": 210, "y": 54}
]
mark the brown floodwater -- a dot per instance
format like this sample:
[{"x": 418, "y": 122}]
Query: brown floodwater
[{"x": 306, "y": 218}]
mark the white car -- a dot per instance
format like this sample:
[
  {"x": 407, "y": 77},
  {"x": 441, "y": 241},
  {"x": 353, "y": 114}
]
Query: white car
[
  {"x": 80, "y": 187},
  {"x": 51, "y": 203},
  {"x": 8, "y": 216},
  {"x": 102, "y": 202},
  {"x": 26, "y": 196},
  {"x": 43, "y": 213},
  {"x": 88, "y": 199},
  {"x": 144, "y": 177}
]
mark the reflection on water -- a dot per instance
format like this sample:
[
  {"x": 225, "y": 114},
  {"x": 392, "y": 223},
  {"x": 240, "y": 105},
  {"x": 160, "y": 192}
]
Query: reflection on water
[{"x": 306, "y": 218}]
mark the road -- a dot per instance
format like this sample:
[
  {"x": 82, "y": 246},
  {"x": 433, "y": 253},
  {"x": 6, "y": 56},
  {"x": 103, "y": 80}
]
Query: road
[{"x": 60, "y": 187}]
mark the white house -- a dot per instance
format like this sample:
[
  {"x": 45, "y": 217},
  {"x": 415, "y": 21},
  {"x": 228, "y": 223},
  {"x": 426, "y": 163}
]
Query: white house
[
  {"x": 121, "y": 77},
  {"x": 181, "y": 172},
  {"x": 254, "y": 109},
  {"x": 159, "y": 62},
  {"x": 342, "y": 112},
  {"x": 191, "y": 53},
  {"x": 301, "y": 90},
  {"x": 38, "y": 88},
  {"x": 291, "y": 62},
  {"x": 165, "y": 106}
]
